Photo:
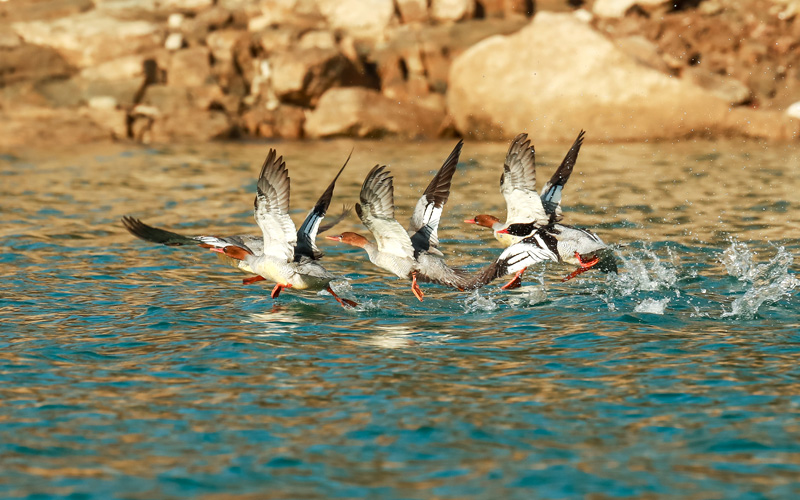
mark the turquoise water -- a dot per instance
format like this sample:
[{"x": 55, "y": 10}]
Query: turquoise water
[{"x": 132, "y": 371}]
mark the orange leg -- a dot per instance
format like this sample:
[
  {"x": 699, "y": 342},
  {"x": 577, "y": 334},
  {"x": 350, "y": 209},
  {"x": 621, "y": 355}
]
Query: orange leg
[
  {"x": 340, "y": 300},
  {"x": 415, "y": 287},
  {"x": 585, "y": 266},
  {"x": 515, "y": 282},
  {"x": 278, "y": 289},
  {"x": 252, "y": 279}
]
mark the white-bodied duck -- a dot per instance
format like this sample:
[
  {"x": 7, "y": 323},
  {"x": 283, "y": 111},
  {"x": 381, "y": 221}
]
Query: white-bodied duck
[
  {"x": 283, "y": 254},
  {"x": 418, "y": 256},
  {"x": 535, "y": 216}
]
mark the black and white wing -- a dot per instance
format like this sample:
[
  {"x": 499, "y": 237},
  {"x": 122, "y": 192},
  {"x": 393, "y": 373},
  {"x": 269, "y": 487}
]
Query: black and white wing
[
  {"x": 532, "y": 250},
  {"x": 307, "y": 234},
  {"x": 163, "y": 237},
  {"x": 376, "y": 211},
  {"x": 551, "y": 193},
  {"x": 425, "y": 219},
  {"x": 518, "y": 183},
  {"x": 271, "y": 209}
]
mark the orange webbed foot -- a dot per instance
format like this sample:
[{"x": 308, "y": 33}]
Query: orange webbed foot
[
  {"x": 252, "y": 279},
  {"x": 278, "y": 289},
  {"x": 415, "y": 287},
  {"x": 515, "y": 282},
  {"x": 343, "y": 302},
  {"x": 585, "y": 266}
]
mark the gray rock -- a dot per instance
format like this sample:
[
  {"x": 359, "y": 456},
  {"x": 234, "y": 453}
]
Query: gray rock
[{"x": 725, "y": 87}]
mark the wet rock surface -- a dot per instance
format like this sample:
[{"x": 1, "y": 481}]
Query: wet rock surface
[{"x": 186, "y": 70}]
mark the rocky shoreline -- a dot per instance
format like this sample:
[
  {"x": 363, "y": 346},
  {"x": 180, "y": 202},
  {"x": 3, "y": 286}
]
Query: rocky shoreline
[{"x": 164, "y": 71}]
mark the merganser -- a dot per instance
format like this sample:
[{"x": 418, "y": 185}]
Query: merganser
[
  {"x": 530, "y": 213},
  {"x": 418, "y": 256},
  {"x": 283, "y": 255}
]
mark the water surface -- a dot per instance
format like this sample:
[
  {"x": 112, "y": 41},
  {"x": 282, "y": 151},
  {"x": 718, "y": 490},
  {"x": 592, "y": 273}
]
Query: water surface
[{"x": 132, "y": 370}]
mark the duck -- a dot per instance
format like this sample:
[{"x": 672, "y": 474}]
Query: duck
[
  {"x": 536, "y": 216},
  {"x": 415, "y": 254},
  {"x": 287, "y": 256}
]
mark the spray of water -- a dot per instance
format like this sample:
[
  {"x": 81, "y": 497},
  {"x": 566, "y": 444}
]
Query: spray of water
[{"x": 767, "y": 283}]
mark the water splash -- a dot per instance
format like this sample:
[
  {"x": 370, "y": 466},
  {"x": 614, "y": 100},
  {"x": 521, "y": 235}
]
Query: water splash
[
  {"x": 652, "y": 306},
  {"x": 644, "y": 271},
  {"x": 475, "y": 302},
  {"x": 769, "y": 282}
]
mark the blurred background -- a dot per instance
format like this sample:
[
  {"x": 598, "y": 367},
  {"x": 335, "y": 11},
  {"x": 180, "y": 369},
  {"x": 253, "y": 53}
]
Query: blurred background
[{"x": 165, "y": 71}]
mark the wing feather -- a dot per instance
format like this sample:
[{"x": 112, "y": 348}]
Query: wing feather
[
  {"x": 271, "y": 208},
  {"x": 428, "y": 211},
  {"x": 518, "y": 183},
  {"x": 551, "y": 193},
  {"x": 307, "y": 234},
  {"x": 376, "y": 211}
]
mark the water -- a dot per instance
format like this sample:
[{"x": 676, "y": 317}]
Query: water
[{"x": 131, "y": 370}]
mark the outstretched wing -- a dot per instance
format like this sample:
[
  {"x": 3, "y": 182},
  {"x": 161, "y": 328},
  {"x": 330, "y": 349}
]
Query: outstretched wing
[
  {"x": 518, "y": 183},
  {"x": 168, "y": 238},
  {"x": 376, "y": 211},
  {"x": 425, "y": 219},
  {"x": 551, "y": 193},
  {"x": 307, "y": 234},
  {"x": 271, "y": 208},
  {"x": 525, "y": 253}
]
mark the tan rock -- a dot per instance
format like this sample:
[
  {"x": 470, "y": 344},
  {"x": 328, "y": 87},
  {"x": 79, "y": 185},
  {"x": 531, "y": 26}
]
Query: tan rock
[
  {"x": 189, "y": 68},
  {"x": 317, "y": 40},
  {"x": 111, "y": 119},
  {"x": 16, "y": 10},
  {"x": 285, "y": 122},
  {"x": 572, "y": 78},
  {"x": 26, "y": 125},
  {"x": 26, "y": 62},
  {"x": 451, "y": 10},
  {"x": 123, "y": 68},
  {"x": 302, "y": 76},
  {"x": 223, "y": 42},
  {"x": 644, "y": 51},
  {"x": 363, "y": 18},
  {"x": 78, "y": 91},
  {"x": 412, "y": 11},
  {"x": 190, "y": 125},
  {"x": 360, "y": 112},
  {"x": 618, "y": 8},
  {"x": 729, "y": 89},
  {"x": 91, "y": 38}
]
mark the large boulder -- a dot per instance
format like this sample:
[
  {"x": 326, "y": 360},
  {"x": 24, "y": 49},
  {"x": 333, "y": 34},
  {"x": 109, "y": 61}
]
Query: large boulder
[
  {"x": 360, "y": 112},
  {"x": 91, "y": 38},
  {"x": 558, "y": 75}
]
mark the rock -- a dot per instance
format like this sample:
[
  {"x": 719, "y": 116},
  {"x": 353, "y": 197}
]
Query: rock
[
  {"x": 412, "y": 11},
  {"x": 185, "y": 5},
  {"x": 362, "y": 18},
  {"x": 451, "y": 10},
  {"x": 189, "y": 68},
  {"x": 274, "y": 40},
  {"x": 91, "y": 38},
  {"x": 26, "y": 62},
  {"x": 16, "y": 11},
  {"x": 794, "y": 110},
  {"x": 729, "y": 89},
  {"x": 223, "y": 42},
  {"x": 771, "y": 125},
  {"x": 302, "y": 76},
  {"x": 284, "y": 121},
  {"x": 188, "y": 124},
  {"x": 644, "y": 51},
  {"x": 317, "y": 40},
  {"x": 24, "y": 126},
  {"x": 360, "y": 112},
  {"x": 110, "y": 119},
  {"x": 124, "y": 68},
  {"x": 167, "y": 99},
  {"x": 618, "y": 8},
  {"x": 572, "y": 78},
  {"x": 212, "y": 97},
  {"x": 77, "y": 91},
  {"x": 174, "y": 41}
]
